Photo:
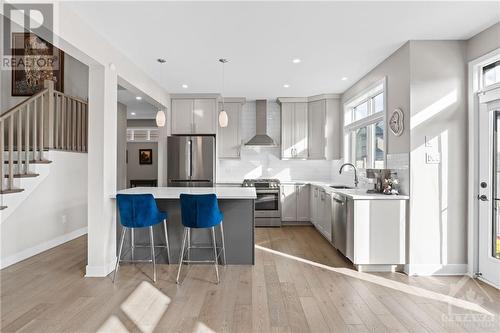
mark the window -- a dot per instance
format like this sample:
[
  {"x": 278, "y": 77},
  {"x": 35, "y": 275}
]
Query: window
[
  {"x": 364, "y": 129},
  {"x": 491, "y": 74}
]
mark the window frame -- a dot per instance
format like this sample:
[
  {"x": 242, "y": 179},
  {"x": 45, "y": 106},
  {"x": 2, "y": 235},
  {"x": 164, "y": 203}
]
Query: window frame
[
  {"x": 370, "y": 121},
  {"x": 482, "y": 86}
]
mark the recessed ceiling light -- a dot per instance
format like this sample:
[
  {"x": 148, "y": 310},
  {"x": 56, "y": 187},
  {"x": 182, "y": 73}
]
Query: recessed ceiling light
[
  {"x": 138, "y": 98},
  {"x": 184, "y": 86},
  {"x": 344, "y": 78},
  {"x": 132, "y": 113},
  {"x": 286, "y": 86},
  {"x": 296, "y": 61}
]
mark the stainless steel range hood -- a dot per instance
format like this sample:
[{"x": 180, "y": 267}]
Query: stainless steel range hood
[{"x": 261, "y": 138}]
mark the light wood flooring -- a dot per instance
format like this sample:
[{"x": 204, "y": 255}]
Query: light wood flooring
[{"x": 298, "y": 284}]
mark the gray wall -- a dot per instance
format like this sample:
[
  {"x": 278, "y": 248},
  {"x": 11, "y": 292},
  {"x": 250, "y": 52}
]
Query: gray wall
[
  {"x": 136, "y": 170},
  {"x": 438, "y": 192},
  {"x": 484, "y": 42},
  {"x": 121, "y": 147},
  {"x": 141, "y": 123},
  {"x": 397, "y": 70}
]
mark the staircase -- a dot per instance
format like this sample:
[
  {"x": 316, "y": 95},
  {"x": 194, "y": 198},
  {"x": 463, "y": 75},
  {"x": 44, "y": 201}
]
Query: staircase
[{"x": 48, "y": 120}]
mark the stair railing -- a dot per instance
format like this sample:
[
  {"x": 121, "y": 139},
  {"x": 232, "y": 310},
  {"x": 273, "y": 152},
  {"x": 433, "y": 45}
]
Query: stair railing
[{"x": 47, "y": 120}]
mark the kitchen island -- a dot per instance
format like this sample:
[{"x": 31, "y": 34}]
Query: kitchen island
[{"x": 237, "y": 205}]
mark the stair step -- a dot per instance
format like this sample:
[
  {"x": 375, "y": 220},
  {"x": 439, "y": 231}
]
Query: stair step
[
  {"x": 31, "y": 162},
  {"x": 3, "y": 207},
  {"x": 24, "y": 175},
  {"x": 13, "y": 190}
]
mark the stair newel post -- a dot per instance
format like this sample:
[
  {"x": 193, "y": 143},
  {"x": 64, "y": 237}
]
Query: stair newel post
[
  {"x": 10, "y": 184},
  {"x": 2, "y": 150},
  {"x": 27, "y": 140},
  {"x": 49, "y": 106}
]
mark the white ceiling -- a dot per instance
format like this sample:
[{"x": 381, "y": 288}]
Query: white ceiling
[
  {"x": 333, "y": 40},
  {"x": 136, "y": 109}
]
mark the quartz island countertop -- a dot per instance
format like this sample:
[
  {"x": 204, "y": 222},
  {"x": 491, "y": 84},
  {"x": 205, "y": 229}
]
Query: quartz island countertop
[{"x": 222, "y": 192}]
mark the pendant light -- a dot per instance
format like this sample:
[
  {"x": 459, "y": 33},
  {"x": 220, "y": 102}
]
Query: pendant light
[
  {"x": 223, "y": 119},
  {"x": 160, "y": 115}
]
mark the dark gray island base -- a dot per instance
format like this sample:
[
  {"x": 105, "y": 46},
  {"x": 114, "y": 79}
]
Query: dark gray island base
[{"x": 238, "y": 226}]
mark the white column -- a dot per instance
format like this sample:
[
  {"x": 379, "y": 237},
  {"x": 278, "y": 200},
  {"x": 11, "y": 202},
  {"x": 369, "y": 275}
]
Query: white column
[{"x": 102, "y": 143}]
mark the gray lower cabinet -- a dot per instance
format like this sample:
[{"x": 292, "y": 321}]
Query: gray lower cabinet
[
  {"x": 321, "y": 211},
  {"x": 295, "y": 203}
]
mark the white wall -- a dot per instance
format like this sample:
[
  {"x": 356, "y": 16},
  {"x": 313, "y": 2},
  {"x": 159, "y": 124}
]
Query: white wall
[
  {"x": 437, "y": 235},
  {"x": 265, "y": 162},
  {"x": 55, "y": 212}
]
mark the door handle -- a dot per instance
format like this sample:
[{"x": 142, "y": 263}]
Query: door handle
[{"x": 482, "y": 197}]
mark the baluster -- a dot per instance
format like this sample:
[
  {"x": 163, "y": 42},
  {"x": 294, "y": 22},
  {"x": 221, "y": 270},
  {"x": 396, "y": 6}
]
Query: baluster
[
  {"x": 19, "y": 141},
  {"x": 2, "y": 150},
  {"x": 41, "y": 128},
  {"x": 10, "y": 183},
  {"x": 85, "y": 125},
  {"x": 68, "y": 127},
  {"x": 27, "y": 140},
  {"x": 73, "y": 126},
  {"x": 56, "y": 116},
  {"x": 63, "y": 121},
  {"x": 35, "y": 130},
  {"x": 79, "y": 128}
]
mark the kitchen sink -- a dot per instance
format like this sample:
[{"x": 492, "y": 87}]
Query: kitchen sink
[{"x": 342, "y": 187}]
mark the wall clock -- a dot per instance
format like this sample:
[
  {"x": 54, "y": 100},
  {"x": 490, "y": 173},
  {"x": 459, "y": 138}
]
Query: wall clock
[{"x": 396, "y": 122}]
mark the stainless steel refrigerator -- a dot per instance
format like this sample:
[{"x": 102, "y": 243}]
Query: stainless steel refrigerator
[{"x": 191, "y": 161}]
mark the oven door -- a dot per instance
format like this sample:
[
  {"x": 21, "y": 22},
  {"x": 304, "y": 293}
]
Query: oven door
[{"x": 267, "y": 203}]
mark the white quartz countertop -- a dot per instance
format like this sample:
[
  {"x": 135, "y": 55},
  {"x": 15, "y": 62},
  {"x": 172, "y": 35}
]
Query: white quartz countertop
[
  {"x": 222, "y": 192},
  {"x": 355, "y": 194}
]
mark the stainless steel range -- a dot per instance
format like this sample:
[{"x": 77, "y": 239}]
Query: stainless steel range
[{"x": 267, "y": 204}]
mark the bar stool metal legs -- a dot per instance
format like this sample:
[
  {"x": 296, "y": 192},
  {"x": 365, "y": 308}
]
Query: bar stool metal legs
[
  {"x": 119, "y": 255},
  {"x": 186, "y": 247}
]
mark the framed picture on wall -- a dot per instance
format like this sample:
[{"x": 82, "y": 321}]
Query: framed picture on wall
[
  {"x": 36, "y": 61},
  {"x": 145, "y": 156}
]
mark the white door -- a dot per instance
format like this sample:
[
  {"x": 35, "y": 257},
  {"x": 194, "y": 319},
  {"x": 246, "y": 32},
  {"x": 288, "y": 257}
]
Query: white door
[
  {"x": 489, "y": 187},
  {"x": 303, "y": 209},
  {"x": 300, "y": 131},
  {"x": 204, "y": 116},
  {"x": 288, "y": 203},
  {"x": 229, "y": 137},
  {"x": 182, "y": 116},
  {"x": 287, "y": 110}
]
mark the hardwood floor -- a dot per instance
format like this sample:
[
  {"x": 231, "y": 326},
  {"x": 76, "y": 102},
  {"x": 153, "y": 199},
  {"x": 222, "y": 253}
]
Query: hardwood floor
[{"x": 298, "y": 284}]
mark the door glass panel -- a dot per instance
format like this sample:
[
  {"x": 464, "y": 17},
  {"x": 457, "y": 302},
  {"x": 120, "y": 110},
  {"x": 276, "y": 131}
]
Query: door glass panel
[
  {"x": 379, "y": 146},
  {"x": 496, "y": 188},
  {"x": 360, "y": 148}
]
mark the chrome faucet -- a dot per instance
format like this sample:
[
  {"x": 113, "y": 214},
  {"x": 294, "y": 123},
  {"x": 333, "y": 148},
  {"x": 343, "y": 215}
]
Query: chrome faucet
[{"x": 356, "y": 181}]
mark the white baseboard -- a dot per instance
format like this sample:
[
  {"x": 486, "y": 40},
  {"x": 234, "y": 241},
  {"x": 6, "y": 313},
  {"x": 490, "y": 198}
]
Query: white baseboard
[
  {"x": 100, "y": 271},
  {"x": 436, "y": 269},
  {"x": 30, "y": 252}
]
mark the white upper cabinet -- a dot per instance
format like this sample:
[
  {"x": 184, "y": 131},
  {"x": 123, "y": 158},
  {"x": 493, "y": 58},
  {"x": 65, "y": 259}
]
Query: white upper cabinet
[
  {"x": 228, "y": 138},
  {"x": 294, "y": 130},
  {"x": 316, "y": 131},
  {"x": 182, "y": 116},
  {"x": 204, "y": 116},
  {"x": 194, "y": 116}
]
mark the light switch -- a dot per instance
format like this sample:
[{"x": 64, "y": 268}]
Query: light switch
[{"x": 433, "y": 158}]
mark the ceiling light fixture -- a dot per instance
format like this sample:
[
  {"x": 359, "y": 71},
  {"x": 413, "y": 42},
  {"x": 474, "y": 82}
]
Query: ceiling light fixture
[
  {"x": 223, "y": 119},
  {"x": 185, "y": 86},
  {"x": 160, "y": 115},
  {"x": 132, "y": 113},
  {"x": 344, "y": 78},
  {"x": 296, "y": 61},
  {"x": 138, "y": 98},
  {"x": 286, "y": 85}
]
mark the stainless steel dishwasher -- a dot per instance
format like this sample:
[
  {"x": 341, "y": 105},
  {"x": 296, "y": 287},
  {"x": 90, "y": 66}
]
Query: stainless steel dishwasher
[{"x": 339, "y": 225}]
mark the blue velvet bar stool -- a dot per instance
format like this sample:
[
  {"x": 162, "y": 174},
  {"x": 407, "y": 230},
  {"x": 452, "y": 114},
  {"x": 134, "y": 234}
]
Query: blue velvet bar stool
[
  {"x": 138, "y": 211},
  {"x": 201, "y": 211}
]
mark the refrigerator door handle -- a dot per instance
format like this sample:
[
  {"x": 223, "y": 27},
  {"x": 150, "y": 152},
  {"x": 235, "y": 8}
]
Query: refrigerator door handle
[{"x": 190, "y": 158}]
